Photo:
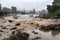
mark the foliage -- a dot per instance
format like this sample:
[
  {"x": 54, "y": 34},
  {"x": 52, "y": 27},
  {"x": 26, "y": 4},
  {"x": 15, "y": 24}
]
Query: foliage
[
  {"x": 1, "y": 12},
  {"x": 57, "y": 13},
  {"x": 55, "y": 8},
  {"x": 49, "y": 8}
]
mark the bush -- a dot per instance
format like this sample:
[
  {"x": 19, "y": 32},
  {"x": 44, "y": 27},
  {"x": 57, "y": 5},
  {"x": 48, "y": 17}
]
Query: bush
[
  {"x": 2, "y": 13},
  {"x": 57, "y": 13}
]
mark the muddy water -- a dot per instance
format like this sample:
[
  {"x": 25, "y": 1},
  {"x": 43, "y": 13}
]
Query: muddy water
[{"x": 43, "y": 34}]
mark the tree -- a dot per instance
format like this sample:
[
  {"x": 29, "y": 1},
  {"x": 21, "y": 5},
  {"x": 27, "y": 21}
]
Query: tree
[
  {"x": 57, "y": 13},
  {"x": 2, "y": 13},
  {"x": 55, "y": 8},
  {"x": 49, "y": 8}
]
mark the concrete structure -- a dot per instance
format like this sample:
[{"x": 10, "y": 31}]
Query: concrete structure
[{"x": 33, "y": 11}]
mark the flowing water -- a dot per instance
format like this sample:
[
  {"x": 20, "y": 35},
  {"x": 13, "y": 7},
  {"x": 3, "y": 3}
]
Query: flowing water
[{"x": 43, "y": 34}]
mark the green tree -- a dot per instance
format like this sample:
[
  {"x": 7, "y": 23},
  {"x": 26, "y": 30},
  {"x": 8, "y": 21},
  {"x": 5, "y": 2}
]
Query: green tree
[
  {"x": 57, "y": 13},
  {"x": 49, "y": 8},
  {"x": 55, "y": 8}
]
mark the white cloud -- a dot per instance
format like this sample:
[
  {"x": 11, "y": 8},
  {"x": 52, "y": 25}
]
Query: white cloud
[{"x": 27, "y": 4}]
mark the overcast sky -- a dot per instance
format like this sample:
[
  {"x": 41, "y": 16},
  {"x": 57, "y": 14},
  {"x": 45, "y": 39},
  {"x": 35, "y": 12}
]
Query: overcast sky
[{"x": 26, "y": 4}]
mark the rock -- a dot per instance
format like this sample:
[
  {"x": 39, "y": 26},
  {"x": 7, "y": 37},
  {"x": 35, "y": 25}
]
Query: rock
[
  {"x": 51, "y": 27},
  {"x": 4, "y": 28},
  {"x": 19, "y": 36},
  {"x": 17, "y": 24},
  {"x": 13, "y": 32},
  {"x": 31, "y": 15},
  {"x": 31, "y": 23},
  {"x": 15, "y": 17},
  {"x": 34, "y": 32},
  {"x": 1, "y": 31},
  {"x": 13, "y": 28},
  {"x": 36, "y": 38},
  {"x": 1, "y": 26},
  {"x": 10, "y": 21}
]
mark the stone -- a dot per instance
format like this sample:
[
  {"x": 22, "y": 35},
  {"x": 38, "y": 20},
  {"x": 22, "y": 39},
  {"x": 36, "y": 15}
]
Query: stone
[
  {"x": 34, "y": 32},
  {"x": 19, "y": 36},
  {"x": 15, "y": 17},
  {"x": 36, "y": 38},
  {"x": 13, "y": 28},
  {"x": 3, "y": 27},
  {"x": 1, "y": 31},
  {"x": 10, "y": 21},
  {"x": 17, "y": 24}
]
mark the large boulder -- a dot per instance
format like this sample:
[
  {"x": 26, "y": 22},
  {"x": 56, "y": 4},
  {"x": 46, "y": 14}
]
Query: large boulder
[{"x": 18, "y": 36}]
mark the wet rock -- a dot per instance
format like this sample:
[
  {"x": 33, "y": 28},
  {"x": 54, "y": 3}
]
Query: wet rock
[
  {"x": 10, "y": 21},
  {"x": 34, "y": 32},
  {"x": 31, "y": 23},
  {"x": 41, "y": 27},
  {"x": 19, "y": 36},
  {"x": 17, "y": 24},
  {"x": 51, "y": 27},
  {"x": 59, "y": 25},
  {"x": 36, "y": 38},
  {"x": 15, "y": 17},
  {"x": 13, "y": 28},
  {"x": 1, "y": 31},
  {"x": 1, "y": 26},
  {"x": 54, "y": 33},
  {"x": 13, "y": 32},
  {"x": 4, "y": 28}
]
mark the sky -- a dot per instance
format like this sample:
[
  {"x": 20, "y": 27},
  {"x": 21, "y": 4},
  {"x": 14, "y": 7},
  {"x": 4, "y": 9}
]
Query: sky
[{"x": 27, "y": 4}]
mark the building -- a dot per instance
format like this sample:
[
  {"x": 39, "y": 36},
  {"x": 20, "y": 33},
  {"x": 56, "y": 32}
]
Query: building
[
  {"x": 14, "y": 9},
  {"x": 33, "y": 11},
  {"x": 56, "y": 2}
]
